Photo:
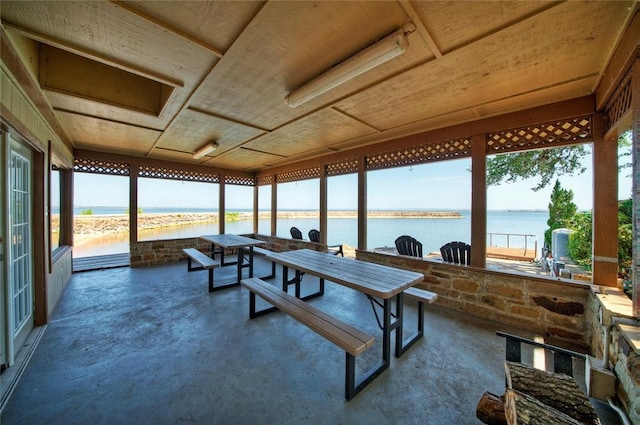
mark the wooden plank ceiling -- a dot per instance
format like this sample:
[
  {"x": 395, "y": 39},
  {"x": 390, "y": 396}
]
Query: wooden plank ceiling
[{"x": 161, "y": 78}]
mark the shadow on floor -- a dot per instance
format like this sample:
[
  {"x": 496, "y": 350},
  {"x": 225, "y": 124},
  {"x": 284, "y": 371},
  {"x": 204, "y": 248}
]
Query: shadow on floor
[{"x": 153, "y": 346}]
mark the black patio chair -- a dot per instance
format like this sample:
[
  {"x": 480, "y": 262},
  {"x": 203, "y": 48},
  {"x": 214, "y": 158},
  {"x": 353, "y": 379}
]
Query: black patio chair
[
  {"x": 407, "y": 245},
  {"x": 456, "y": 252},
  {"x": 314, "y": 236},
  {"x": 295, "y": 233}
]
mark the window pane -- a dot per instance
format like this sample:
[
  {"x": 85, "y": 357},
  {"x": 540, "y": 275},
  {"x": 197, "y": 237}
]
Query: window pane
[
  {"x": 238, "y": 209},
  {"x": 299, "y": 206},
  {"x": 528, "y": 217},
  {"x": 264, "y": 209},
  {"x": 54, "y": 184},
  {"x": 342, "y": 206},
  {"x": 101, "y": 219},
  {"x": 430, "y": 202},
  {"x": 171, "y": 209}
]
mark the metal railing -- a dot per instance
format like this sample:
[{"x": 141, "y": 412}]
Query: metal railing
[{"x": 519, "y": 235}]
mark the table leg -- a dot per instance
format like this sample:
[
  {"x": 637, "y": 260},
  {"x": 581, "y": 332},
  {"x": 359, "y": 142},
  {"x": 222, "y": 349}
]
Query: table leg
[
  {"x": 351, "y": 390},
  {"x": 250, "y": 261},
  {"x": 240, "y": 259}
]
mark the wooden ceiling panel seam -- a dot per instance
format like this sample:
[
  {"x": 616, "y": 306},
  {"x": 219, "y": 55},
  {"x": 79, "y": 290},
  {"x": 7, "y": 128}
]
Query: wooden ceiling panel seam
[
  {"x": 186, "y": 103},
  {"x": 421, "y": 28},
  {"x": 503, "y": 27},
  {"x": 52, "y": 41},
  {"x": 201, "y": 84},
  {"x": 217, "y": 52},
  {"x": 341, "y": 112},
  {"x": 144, "y": 127},
  {"x": 226, "y": 118},
  {"x": 562, "y": 110}
]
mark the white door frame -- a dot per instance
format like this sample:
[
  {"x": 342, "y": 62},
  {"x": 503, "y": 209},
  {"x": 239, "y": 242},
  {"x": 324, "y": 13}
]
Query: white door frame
[
  {"x": 5, "y": 344},
  {"x": 17, "y": 333}
]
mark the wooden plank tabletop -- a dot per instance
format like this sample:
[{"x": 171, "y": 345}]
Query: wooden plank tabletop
[
  {"x": 372, "y": 279},
  {"x": 232, "y": 241}
]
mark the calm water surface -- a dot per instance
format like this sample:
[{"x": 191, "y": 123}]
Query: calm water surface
[{"x": 381, "y": 232}]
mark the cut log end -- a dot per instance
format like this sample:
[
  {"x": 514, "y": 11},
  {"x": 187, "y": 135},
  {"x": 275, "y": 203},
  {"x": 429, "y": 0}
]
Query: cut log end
[{"x": 490, "y": 409}]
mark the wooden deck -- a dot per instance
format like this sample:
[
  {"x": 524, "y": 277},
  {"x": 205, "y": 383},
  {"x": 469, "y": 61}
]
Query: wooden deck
[
  {"x": 98, "y": 262},
  {"x": 517, "y": 254}
]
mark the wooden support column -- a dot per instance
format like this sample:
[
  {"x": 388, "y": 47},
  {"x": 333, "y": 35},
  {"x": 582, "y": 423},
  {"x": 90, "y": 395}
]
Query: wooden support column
[
  {"x": 478, "y": 201},
  {"x": 605, "y": 206},
  {"x": 274, "y": 206},
  {"x": 221, "y": 205},
  {"x": 323, "y": 204},
  {"x": 362, "y": 204},
  {"x": 255, "y": 208},
  {"x": 133, "y": 202}
]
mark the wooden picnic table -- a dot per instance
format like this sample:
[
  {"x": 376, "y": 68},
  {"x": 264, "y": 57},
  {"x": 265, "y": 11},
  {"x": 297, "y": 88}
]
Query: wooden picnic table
[
  {"x": 373, "y": 280},
  {"x": 238, "y": 242}
]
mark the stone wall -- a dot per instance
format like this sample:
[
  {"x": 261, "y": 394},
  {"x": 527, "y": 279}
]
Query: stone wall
[
  {"x": 554, "y": 309},
  {"x": 612, "y": 310},
  {"x": 150, "y": 253}
]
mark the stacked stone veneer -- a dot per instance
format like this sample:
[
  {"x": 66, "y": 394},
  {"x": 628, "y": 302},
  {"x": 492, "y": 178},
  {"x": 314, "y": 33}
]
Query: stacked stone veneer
[
  {"x": 150, "y": 253},
  {"x": 553, "y": 308},
  {"x": 623, "y": 358}
]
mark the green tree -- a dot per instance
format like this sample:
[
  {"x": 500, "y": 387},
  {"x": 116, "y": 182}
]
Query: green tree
[
  {"x": 545, "y": 164},
  {"x": 580, "y": 241},
  {"x": 561, "y": 211}
]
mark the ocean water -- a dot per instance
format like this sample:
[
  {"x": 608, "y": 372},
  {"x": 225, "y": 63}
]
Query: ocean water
[{"x": 381, "y": 232}]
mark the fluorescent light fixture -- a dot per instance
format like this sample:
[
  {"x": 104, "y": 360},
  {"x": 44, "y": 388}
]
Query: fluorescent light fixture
[
  {"x": 209, "y": 147},
  {"x": 378, "y": 53}
]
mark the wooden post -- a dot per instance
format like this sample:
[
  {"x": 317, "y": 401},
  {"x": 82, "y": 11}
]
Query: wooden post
[
  {"x": 362, "y": 203},
  {"x": 221, "y": 205},
  {"x": 605, "y": 206},
  {"x": 255, "y": 208},
  {"x": 134, "y": 169},
  {"x": 274, "y": 205},
  {"x": 478, "y": 201},
  {"x": 323, "y": 204}
]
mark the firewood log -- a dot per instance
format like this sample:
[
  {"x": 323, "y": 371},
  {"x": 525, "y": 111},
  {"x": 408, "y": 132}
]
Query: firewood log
[
  {"x": 490, "y": 409},
  {"x": 556, "y": 390}
]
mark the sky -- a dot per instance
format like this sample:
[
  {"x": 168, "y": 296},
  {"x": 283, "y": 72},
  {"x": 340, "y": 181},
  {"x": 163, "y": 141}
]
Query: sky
[{"x": 444, "y": 185}]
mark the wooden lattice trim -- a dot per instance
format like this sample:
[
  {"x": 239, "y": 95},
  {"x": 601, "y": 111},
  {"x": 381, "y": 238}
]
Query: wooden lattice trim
[
  {"x": 348, "y": 166},
  {"x": 541, "y": 135},
  {"x": 177, "y": 174},
  {"x": 436, "y": 151},
  {"x": 620, "y": 102},
  {"x": 264, "y": 180},
  {"x": 84, "y": 165},
  {"x": 293, "y": 176},
  {"x": 239, "y": 180}
]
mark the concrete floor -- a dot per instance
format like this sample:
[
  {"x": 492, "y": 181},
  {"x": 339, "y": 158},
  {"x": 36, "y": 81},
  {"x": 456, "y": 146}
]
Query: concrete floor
[{"x": 152, "y": 346}]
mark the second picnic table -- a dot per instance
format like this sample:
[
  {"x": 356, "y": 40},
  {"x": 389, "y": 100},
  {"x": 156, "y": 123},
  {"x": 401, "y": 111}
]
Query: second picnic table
[{"x": 233, "y": 241}]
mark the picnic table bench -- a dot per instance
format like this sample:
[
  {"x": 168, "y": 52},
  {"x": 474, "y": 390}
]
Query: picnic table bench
[
  {"x": 205, "y": 263},
  {"x": 352, "y": 340}
]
